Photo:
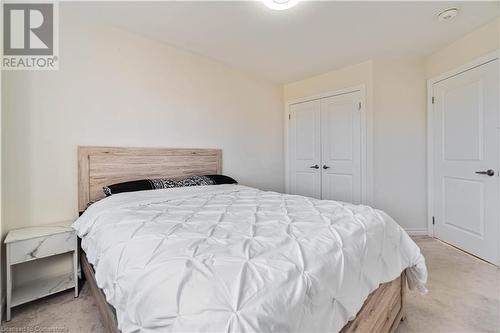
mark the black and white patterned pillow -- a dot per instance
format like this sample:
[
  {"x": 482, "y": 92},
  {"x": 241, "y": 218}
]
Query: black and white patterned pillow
[
  {"x": 154, "y": 184},
  {"x": 189, "y": 181}
]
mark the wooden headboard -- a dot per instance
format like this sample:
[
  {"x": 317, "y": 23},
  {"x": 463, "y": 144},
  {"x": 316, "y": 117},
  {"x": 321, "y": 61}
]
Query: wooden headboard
[{"x": 102, "y": 166}]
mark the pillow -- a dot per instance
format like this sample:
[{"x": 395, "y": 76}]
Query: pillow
[
  {"x": 154, "y": 184},
  {"x": 221, "y": 179}
]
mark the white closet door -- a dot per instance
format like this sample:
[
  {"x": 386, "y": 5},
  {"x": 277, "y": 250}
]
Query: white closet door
[
  {"x": 305, "y": 149},
  {"x": 466, "y": 161},
  {"x": 341, "y": 147}
]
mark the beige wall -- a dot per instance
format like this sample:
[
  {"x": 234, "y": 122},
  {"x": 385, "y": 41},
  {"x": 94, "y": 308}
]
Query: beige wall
[
  {"x": 335, "y": 80},
  {"x": 119, "y": 89},
  {"x": 466, "y": 49},
  {"x": 399, "y": 140}
]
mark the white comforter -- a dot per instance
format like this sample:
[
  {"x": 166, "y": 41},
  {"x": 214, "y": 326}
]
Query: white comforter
[{"x": 232, "y": 258}]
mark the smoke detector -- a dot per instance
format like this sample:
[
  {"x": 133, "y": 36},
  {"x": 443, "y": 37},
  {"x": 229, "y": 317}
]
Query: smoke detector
[{"x": 447, "y": 14}]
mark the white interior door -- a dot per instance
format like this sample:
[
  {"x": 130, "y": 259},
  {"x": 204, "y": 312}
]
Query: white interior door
[
  {"x": 305, "y": 149},
  {"x": 466, "y": 161},
  {"x": 341, "y": 147}
]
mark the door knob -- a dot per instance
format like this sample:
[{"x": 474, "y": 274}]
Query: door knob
[
  {"x": 489, "y": 172},
  {"x": 326, "y": 167},
  {"x": 314, "y": 166}
]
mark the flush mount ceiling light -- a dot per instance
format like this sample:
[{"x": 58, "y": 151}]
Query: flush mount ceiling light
[
  {"x": 448, "y": 14},
  {"x": 280, "y": 4}
]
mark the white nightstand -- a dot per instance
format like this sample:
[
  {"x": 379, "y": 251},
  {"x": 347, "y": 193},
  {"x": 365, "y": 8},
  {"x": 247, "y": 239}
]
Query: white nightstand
[{"x": 28, "y": 244}]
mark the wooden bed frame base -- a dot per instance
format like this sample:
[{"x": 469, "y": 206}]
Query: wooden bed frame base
[
  {"x": 381, "y": 313},
  {"x": 383, "y": 310}
]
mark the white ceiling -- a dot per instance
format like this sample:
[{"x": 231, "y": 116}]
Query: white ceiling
[{"x": 283, "y": 46}]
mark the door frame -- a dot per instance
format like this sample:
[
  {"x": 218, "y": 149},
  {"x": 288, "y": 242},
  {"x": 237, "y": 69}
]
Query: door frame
[
  {"x": 366, "y": 139},
  {"x": 430, "y": 137}
]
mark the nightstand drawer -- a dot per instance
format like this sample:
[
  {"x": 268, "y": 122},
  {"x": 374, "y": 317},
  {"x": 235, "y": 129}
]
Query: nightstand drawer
[{"x": 30, "y": 249}]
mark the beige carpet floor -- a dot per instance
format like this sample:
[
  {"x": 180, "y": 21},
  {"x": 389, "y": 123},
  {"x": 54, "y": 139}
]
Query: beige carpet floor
[
  {"x": 464, "y": 296},
  {"x": 464, "y": 293}
]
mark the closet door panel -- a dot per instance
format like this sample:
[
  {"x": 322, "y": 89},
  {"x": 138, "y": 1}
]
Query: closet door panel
[
  {"x": 341, "y": 147},
  {"x": 305, "y": 149},
  {"x": 337, "y": 187}
]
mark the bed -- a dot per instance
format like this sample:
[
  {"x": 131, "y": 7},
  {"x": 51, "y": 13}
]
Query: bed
[{"x": 234, "y": 258}]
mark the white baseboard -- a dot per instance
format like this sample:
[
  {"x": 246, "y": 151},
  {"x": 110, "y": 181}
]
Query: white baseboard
[{"x": 416, "y": 231}]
